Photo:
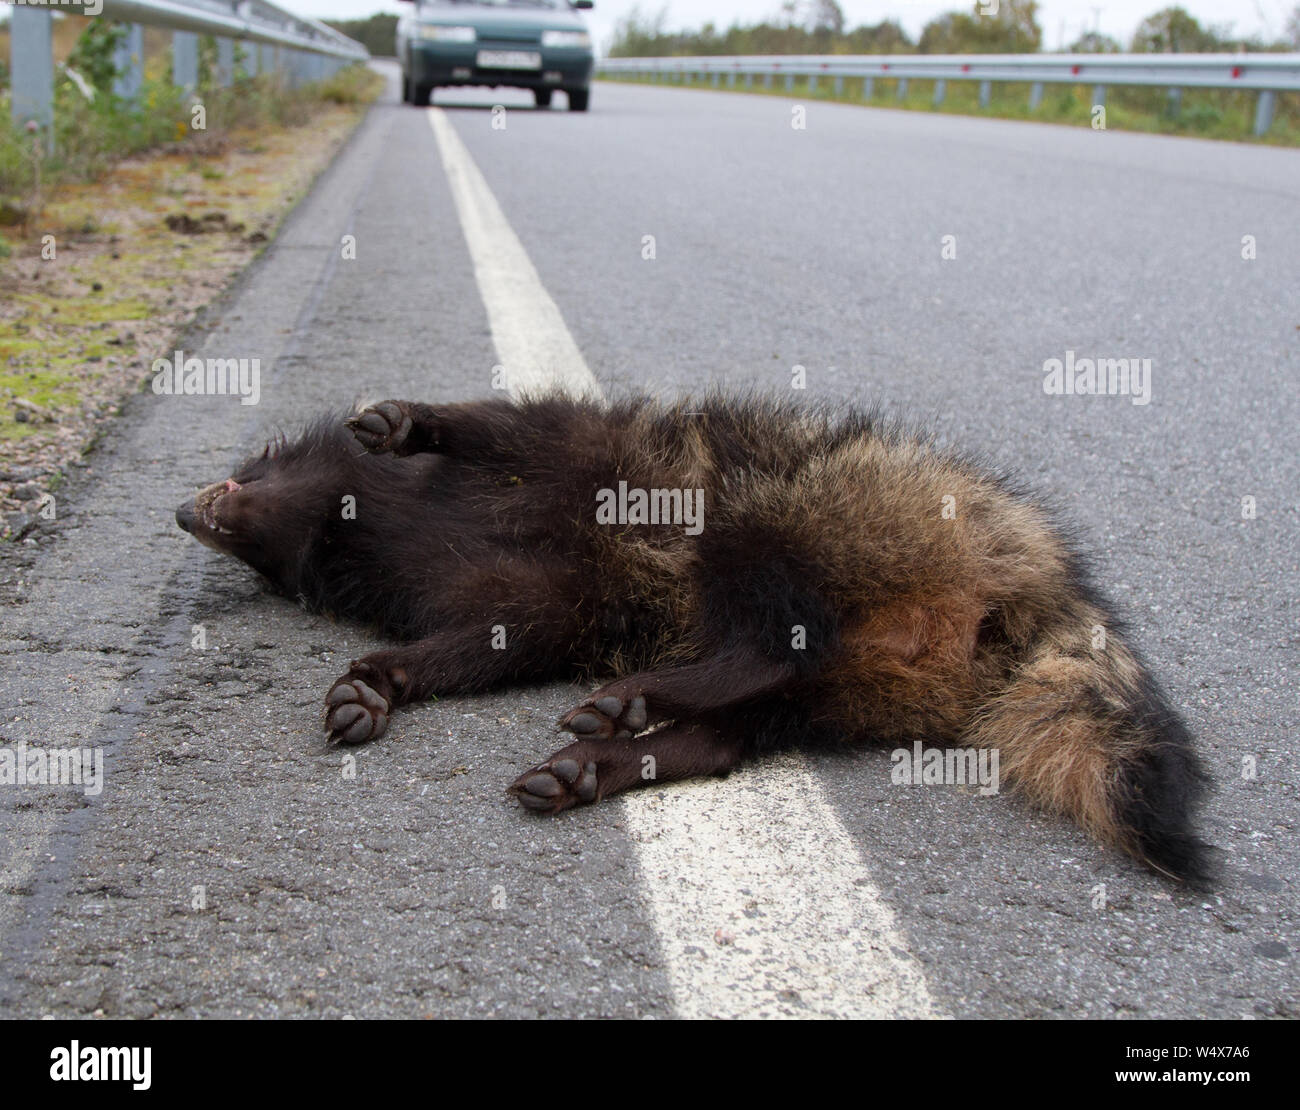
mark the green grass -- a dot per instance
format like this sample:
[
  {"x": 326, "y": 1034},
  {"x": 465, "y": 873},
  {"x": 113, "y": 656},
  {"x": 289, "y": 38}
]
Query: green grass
[
  {"x": 89, "y": 138},
  {"x": 49, "y": 388},
  {"x": 1204, "y": 113}
]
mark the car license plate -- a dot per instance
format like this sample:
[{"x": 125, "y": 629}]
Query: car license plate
[{"x": 509, "y": 59}]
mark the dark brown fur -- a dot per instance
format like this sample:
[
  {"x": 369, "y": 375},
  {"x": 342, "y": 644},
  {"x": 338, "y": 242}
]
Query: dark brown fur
[{"x": 970, "y": 626}]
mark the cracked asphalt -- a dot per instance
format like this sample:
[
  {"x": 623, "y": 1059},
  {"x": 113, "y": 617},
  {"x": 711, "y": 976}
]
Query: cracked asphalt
[{"x": 234, "y": 866}]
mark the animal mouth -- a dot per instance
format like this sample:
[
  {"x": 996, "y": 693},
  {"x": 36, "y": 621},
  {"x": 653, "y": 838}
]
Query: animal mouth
[{"x": 205, "y": 505}]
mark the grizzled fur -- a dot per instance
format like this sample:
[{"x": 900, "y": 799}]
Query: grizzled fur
[{"x": 828, "y": 597}]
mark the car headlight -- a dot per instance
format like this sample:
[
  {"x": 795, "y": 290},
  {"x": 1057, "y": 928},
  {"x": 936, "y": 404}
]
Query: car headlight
[
  {"x": 435, "y": 33},
  {"x": 566, "y": 38}
]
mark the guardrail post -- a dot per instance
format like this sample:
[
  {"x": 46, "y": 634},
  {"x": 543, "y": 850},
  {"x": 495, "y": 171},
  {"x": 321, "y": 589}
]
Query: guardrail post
[
  {"x": 225, "y": 62},
  {"x": 31, "y": 66},
  {"x": 128, "y": 61},
  {"x": 731, "y": 79},
  {"x": 767, "y": 80},
  {"x": 1099, "y": 96},
  {"x": 1035, "y": 96},
  {"x": 902, "y": 88},
  {"x": 839, "y": 86},
  {"x": 1175, "y": 102},
  {"x": 716, "y": 79},
  {"x": 789, "y": 82},
  {"x": 749, "y": 80},
  {"x": 1263, "y": 108},
  {"x": 868, "y": 88},
  {"x": 940, "y": 91},
  {"x": 986, "y": 93},
  {"x": 185, "y": 60}
]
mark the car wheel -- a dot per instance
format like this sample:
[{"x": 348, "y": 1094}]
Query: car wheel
[
  {"x": 579, "y": 99},
  {"x": 542, "y": 98},
  {"x": 420, "y": 95}
]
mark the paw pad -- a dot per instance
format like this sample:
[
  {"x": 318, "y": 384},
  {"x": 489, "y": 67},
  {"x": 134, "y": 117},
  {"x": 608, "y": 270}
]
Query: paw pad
[
  {"x": 608, "y": 717},
  {"x": 354, "y": 712},
  {"x": 556, "y": 786},
  {"x": 382, "y": 427}
]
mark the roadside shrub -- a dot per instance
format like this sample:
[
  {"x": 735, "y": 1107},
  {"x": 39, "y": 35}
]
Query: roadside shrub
[{"x": 95, "y": 129}]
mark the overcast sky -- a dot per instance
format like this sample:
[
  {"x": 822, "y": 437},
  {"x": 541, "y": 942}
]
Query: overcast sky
[{"x": 1059, "y": 18}]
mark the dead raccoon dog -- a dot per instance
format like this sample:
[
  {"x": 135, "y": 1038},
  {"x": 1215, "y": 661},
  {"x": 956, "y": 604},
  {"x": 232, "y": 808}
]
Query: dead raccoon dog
[{"x": 756, "y": 575}]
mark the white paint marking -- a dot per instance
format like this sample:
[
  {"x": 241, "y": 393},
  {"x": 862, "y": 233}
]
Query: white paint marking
[
  {"x": 532, "y": 341},
  {"x": 761, "y": 902}
]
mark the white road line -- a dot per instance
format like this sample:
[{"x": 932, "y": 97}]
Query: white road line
[
  {"x": 532, "y": 342},
  {"x": 762, "y": 904}
]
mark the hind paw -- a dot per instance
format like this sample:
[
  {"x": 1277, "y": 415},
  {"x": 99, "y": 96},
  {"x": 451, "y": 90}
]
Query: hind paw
[
  {"x": 382, "y": 427},
  {"x": 607, "y": 716},
  {"x": 566, "y": 780},
  {"x": 358, "y": 704}
]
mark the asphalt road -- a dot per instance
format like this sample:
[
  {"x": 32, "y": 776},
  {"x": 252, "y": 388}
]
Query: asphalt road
[{"x": 232, "y": 866}]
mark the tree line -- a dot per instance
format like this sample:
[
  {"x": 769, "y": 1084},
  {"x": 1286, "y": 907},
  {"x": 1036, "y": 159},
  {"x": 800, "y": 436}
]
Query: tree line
[
  {"x": 819, "y": 27},
  {"x": 377, "y": 34}
]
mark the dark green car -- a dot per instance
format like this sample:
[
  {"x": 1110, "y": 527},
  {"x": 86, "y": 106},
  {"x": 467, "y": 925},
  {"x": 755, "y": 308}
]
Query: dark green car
[{"x": 541, "y": 45}]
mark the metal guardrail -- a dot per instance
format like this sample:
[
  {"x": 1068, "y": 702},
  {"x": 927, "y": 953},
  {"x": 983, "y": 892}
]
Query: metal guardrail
[
  {"x": 275, "y": 40},
  {"x": 1267, "y": 74}
]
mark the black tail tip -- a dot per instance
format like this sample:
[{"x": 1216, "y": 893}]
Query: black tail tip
[
  {"x": 1181, "y": 856},
  {"x": 1159, "y": 793}
]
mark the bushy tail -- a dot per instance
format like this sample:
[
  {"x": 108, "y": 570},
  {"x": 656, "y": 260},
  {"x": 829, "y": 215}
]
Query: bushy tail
[{"x": 1087, "y": 733}]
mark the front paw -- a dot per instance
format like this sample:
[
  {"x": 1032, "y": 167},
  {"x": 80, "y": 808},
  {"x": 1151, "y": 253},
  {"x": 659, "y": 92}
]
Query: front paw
[
  {"x": 382, "y": 427},
  {"x": 567, "y": 779},
  {"x": 607, "y": 715},
  {"x": 358, "y": 705}
]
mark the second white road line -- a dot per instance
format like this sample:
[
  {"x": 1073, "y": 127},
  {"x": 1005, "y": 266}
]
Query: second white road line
[{"x": 761, "y": 901}]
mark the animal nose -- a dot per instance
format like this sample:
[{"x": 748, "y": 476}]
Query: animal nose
[{"x": 185, "y": 516}]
